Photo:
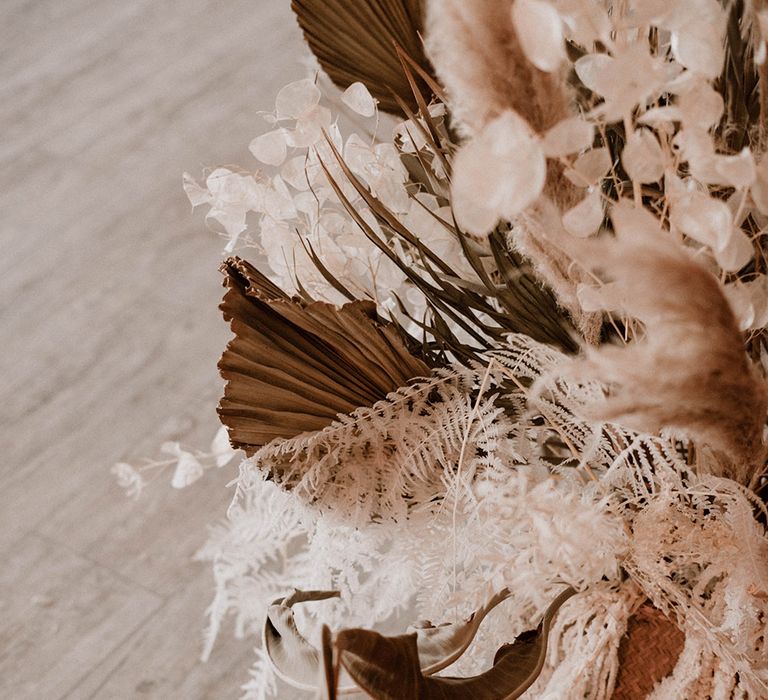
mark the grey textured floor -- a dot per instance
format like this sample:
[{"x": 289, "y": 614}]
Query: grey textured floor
[{"x": 109, "y": 332}]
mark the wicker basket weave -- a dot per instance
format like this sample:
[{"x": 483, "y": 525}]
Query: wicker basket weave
[{"x": 648, "y": 652}]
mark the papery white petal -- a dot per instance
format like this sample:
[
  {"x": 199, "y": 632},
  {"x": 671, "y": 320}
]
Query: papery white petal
[
  {"x": 540, "y": 33},
  {"x": 410, "y": 136},
  {"x": 270, "y": 148},
  {"x": 222, "y": 182},
  {"x": 359, "y": 155},
  {"x": 735, "y": 252},
  {"x": 631, "y": 78},
  {"x": 279, "y": 240},
  {"x": 635, "y": 224},
  {"x": 171, "y": 448},
  {"x": 642, "y": 157},
  {"x": 295, "y": 174},
  {"x": 585, "y": 218},
  {"x": 697, "y": 148},
  {"x": 307, "y": 203},
  {"x": 701, "y": 53},
  {"x": 706, "y": 220},
  {"x": 221, "y": 448},
  {"x": 129, "y": 478},
  {"x": 497, "y": 174},
  {"x": 701, "y": 106},
  {"x": 359, "y": 100},
  {"x": 660, "y": 115},
  {"x": 738, "y": 171},
  {"x": 334, "y": 132},
  {"x": 590, "y": 167},
  {"x": 278, "y": 202},
  {"x": 195, "y": 193},
  {"x": 585, "y": 22},
  {"x": 389, "y": 157},
  {"x": 188, "y": 471},
  {"x": 568, "y": 136},
  {"x": 296, "y": 99},
  {"x": 749, "y": 301},
  {"x": 740, "y": 300},
  {"x": 594, "y": 70},
  {"x": 370, "y": 218},
  {"x": 309, "y": 128},
  {"x": 231, "y": 218},
  {"x": 697, "y": 41}
]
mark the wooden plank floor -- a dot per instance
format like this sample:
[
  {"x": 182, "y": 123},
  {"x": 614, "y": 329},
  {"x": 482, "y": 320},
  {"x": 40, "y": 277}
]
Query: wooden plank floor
[{"x": 109, "y": 331}]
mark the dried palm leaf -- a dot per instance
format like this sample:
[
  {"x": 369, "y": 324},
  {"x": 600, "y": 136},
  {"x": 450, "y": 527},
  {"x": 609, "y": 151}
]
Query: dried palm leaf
[
  {"x": 389, "y": 668},
  {"x": 358, "y": 40},
  {"x": 294, "y": 365}
]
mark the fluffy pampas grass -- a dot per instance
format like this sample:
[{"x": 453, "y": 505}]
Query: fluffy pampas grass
[
  {"x": 477, "y": 56},
  {"x": 689, "y": 372}
]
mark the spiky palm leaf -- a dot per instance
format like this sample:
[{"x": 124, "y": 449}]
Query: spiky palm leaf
[
  {"x": 293, "y": 366},
  {"x": 358, "y": 40}
]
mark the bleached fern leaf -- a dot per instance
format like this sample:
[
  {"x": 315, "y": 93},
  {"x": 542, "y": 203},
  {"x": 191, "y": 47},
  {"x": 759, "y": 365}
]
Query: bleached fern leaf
[{"x": 372, "y": 463}]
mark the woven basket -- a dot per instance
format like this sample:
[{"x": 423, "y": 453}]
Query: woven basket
[{"x": 648, "y": 652}]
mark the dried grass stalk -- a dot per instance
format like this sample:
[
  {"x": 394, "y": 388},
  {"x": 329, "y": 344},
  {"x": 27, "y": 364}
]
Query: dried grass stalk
[{"x": 539, "y": 235}]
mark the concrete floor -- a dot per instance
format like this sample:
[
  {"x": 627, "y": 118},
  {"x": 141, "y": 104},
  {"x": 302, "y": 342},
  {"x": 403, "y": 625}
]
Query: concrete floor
[{"x": 109, "y": 331}]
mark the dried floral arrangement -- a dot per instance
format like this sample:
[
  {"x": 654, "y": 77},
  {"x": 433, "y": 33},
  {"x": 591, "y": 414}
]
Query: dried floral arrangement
[{"x": 501, "y": 364}]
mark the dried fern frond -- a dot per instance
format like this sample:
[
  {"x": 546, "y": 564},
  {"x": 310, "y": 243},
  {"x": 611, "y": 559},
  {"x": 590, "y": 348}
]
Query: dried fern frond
[
  {"x": 358, "y": 40},
  {"x": 293, "y": 366},
  {"x": 369, "y": 464}
]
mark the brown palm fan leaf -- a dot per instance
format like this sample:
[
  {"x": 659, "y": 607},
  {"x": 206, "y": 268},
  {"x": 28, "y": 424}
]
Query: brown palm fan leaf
[
  {"x": 357, "y": 40},
  {"x": 294, "y": 365}
]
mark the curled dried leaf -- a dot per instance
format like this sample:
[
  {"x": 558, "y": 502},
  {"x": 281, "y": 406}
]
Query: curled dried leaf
[
  {"x": 388, "y": 668},
  {"x": 291, "y": 656},
  {"x": 299, "y": 663}
]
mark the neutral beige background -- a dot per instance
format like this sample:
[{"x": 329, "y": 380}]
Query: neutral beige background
[{"x": 109, "y": 332}]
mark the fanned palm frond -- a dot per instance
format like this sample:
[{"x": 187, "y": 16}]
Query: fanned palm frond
[
  {"x": 293, "y": 365},
  {"x": 358, "y": 40}
]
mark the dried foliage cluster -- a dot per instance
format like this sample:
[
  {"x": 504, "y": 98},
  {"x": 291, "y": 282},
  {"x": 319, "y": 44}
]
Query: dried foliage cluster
[{"x": 506, "y": 365}]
